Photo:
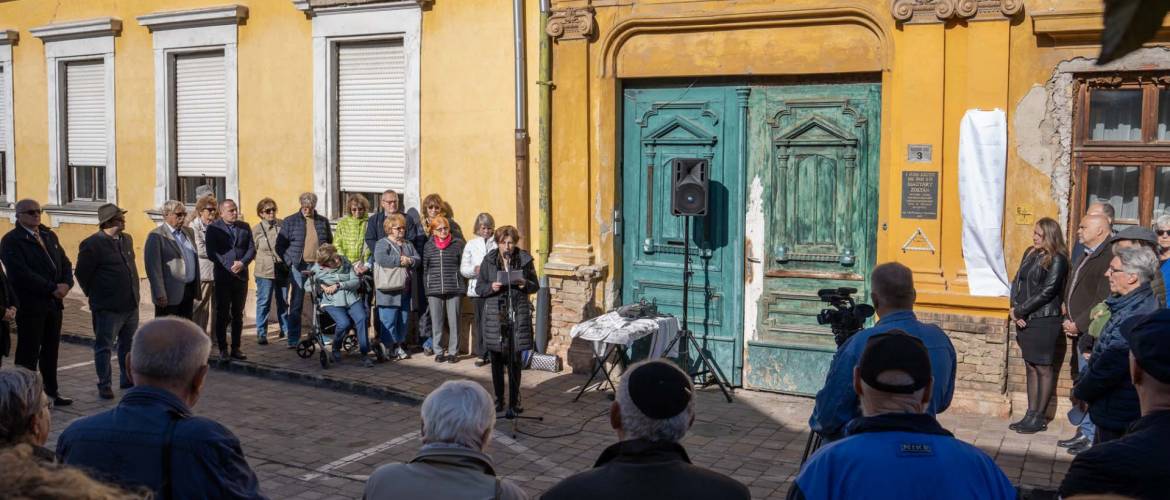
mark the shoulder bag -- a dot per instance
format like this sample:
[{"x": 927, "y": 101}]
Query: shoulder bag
[
  {"x": 390, "y": 279},
  {"x": 279, "y": 268}
]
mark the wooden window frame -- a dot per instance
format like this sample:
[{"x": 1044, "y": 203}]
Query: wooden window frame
[{"x": 1147, "y": 154}]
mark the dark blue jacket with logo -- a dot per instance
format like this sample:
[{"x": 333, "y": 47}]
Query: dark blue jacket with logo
[
  {"x": 1105, "y": 384},
  {"x": 125, "y": 446},
  {"x": 900, "y": 456}
]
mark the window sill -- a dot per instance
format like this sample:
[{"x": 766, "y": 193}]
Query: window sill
[
  {"x": 8, "y": 211},
  {"x": 73, "y": 213}
]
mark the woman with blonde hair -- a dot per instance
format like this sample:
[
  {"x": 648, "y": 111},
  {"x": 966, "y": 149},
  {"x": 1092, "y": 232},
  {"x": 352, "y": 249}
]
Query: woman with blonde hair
[
  {"x": 339, "y": 286},
  {"x": 394, "y": 252},
  {"x": 1037, "y": 296},
  {"x": 23, "y": 474},
  {"x": 444, "y": 288},
  {"x": 350, "y": 236},
  {"x": 433, "y": 206},
  {"x": 206, "y": 212}
]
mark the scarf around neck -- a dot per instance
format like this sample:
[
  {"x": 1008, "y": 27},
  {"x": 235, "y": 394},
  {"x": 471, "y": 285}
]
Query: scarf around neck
[{"x": 444, "y": 243}]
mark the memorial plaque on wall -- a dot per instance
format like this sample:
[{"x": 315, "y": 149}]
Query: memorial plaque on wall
[{"x": 919, "y": 195}]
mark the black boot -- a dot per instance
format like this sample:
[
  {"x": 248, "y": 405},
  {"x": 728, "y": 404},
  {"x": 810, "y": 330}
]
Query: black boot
[
  {"x": 1073, "y": 441},
  {"x": 1016, "y": 425},
  {"x": 1036, "y": 423}
]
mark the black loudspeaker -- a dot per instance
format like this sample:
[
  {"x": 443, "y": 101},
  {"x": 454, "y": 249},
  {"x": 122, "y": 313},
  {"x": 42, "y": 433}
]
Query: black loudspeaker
[{"x": 688, "y": 186}]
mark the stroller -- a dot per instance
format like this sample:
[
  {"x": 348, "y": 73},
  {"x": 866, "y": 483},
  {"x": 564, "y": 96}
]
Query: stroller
[{"x": 322, "y": 332}]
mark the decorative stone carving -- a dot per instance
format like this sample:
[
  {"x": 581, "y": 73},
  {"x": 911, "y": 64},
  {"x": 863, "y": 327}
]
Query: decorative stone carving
[
  {"x": 573, "y": 23},
  {"x": 937, "y": 11}
]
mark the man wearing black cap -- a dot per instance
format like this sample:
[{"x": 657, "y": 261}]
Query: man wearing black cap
[
  {"x": 653, "y": 410},
  {"x": 108, "y": 275},
  {"x": 896, "y": 449},
  {"x": 1138, "y": 464}
]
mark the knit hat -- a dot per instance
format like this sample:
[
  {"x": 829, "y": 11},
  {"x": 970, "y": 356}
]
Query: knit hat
[
  {"x": 895, "y": 351},
  {"x": 659, "y": 389}
]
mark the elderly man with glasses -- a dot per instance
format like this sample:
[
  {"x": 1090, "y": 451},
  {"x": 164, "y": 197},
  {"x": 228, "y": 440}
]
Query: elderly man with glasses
[
  {"x": 108, "y": 275},
  {"x": 41, "y": 277},
  {"x": 172, "y": 263},
  {"x": 300, "y": 235}
]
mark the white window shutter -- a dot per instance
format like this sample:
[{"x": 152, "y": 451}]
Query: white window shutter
[
  {"x": 85, "y": 113},
  {"x": 371, "y": 116},
  {"x": 3, "y": 112},
  {"x": 200, "y": 115}
]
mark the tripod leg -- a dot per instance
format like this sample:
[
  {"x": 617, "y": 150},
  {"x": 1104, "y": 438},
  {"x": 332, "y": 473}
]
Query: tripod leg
[
  {"x": 599, "y": 366},
  {"x": 719, "y": 379}
]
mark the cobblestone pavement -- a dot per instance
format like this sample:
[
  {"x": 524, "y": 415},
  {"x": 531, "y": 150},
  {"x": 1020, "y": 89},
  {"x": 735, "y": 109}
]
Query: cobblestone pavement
[{"x": 316, "y": 439}]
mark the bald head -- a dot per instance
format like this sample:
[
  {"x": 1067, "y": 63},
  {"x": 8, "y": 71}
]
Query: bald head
[
  {"x": 1101, "y": 208},
  {"x": 170, "y": 353},
  {"x": 892, "y": 288},
  {"x": 1093, "y": 230}
]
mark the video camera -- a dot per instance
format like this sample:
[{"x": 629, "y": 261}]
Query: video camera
[{"x": 846, "y": 317}]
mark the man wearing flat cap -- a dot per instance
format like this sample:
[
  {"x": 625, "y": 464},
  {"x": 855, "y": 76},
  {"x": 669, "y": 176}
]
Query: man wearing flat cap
[
  {"x": 653, "y": 410},
  {"x": 108, "y": 275},
  {"x": 896, "y": 449},
  {"x": 1136, "y": 465}
]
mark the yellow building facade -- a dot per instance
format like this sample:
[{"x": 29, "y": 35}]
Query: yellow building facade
[{"x": 878, "y": 91}]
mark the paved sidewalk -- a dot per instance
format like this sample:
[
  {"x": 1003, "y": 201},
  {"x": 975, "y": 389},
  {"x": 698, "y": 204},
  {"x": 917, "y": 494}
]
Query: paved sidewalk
[{"x": 758, "y": 439}]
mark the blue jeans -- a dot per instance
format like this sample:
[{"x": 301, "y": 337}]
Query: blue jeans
[
  {"x": 1088, "y": 429},
  {"x": 392, "y": 323},
  {"x": 265, "y": 289},
  {"x": 108, "y": 328},
  {"x": 296, "y": 299},
  {"x": 344, "y": 318}
]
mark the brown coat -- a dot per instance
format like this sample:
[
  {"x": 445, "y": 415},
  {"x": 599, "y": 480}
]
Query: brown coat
[
  {"x": 1089, "y": 286},
  {"x": 264, "y": 235}
]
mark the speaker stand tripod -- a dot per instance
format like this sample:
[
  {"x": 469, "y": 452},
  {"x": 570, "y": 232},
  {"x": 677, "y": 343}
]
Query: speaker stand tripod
[{"x": 685, "y": 337}]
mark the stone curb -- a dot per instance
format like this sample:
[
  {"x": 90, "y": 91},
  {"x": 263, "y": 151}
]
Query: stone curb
[{"x": 277, "y": 373}]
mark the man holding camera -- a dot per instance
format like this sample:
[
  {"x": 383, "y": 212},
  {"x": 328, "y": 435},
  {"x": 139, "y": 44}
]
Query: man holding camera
[{"x": 892, "y": 292}]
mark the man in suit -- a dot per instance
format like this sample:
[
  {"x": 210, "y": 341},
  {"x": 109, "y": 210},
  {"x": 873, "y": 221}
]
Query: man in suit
[
  {"x": 41, "y": 277},
  {"x": 1095, "y": 208},
  {"x": 108, "y": 275},
  {"x": 230, "y": 248},
  {"x": 1086, "y": 287},
  {"x": 172, "y": 264}
]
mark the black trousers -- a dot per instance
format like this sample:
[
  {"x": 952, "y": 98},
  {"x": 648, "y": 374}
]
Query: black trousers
[
  {"x": 230, "y": 296},
  {"x": 38, "y": 336},
  {"x": 477, "y": 347},
  {"x": 499, "y": 361},
  {"x": 1105, "y": 435},
  {"x": 185, "y": 308}
]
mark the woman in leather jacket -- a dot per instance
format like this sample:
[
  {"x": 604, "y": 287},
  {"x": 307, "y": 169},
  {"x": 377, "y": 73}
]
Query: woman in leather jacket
[{"x": 1036, "y": 302}]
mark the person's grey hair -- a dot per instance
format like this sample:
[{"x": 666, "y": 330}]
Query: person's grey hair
[
  {"x": 484, "y": 219},
  {"x": 639, "y": 426},
  {"x": 24, "y": 204},
  {"x": 22, "y": 395},
  {"x": 1139, "y": 261},
  {"x": 169, "y": 349},
  {"x": 226, "y": 201},
  {"x": 308, "y": 199},
  {"x": 893, "y": 284},
  {"x": 459, "y": 412},
  {"x": 170, "y": 206},
  {"x": 1106, "y": 208},
  {"x": 1163, "y": 222},
  {"x": 391, "y": 191}
]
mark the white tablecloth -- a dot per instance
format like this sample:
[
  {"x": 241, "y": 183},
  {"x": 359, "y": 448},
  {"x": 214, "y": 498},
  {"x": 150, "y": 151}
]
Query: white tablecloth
[{"x": 612, "y": 328}]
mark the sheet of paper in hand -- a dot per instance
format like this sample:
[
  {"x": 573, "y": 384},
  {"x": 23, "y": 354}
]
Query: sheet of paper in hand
[{"x": 509, "y": 277}]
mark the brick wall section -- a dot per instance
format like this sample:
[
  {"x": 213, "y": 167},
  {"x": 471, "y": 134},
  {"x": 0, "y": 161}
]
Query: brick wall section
[
  {"x": 981, "y": 353},
  {"x": 572, "y": 302}
]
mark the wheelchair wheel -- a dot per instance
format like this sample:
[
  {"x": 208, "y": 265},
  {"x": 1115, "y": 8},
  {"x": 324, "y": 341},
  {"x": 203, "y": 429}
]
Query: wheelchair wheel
[
  {"x": 305, "y": 348},
  {"x": 324, "y": 359},
  {"x": 350, "y": 343}
]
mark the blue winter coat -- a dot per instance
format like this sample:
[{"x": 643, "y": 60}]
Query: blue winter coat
[
  {"x": 290, "y": 243},
  {"x": 1105, "y": 384}
]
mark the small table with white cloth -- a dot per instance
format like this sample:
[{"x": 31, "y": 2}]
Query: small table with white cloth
[{"x": 612, "y": 335}]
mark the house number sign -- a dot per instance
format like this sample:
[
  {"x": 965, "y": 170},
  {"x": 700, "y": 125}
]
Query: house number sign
[{"x": 918, "y": 153}]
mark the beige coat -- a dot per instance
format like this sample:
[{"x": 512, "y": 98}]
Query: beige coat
[
  {"x": 439, "y": 471},
  {"x": 264, "y": 235}
]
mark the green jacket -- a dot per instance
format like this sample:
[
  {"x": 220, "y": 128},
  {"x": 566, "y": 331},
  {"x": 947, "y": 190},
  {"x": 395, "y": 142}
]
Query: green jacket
[{"x": 350, "y": 238}]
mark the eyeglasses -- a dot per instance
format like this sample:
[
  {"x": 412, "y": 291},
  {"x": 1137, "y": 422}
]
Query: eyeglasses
[
  {"x": 398, "y": 228},
  {"x": 268, "y": 211},
  {"x": 34, "y": 211},
  {"x": 180, "y": 214},
  {"x": 1115, "y": 270},
  {"x": 437, "y": 229},
  {"x": 1162, "y": 232},
  {"x": 208, "y": 209}
]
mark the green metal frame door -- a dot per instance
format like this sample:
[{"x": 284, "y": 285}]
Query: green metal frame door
[
  {"x": 661, "y": 123},
  {"x": 817, "y": 148}
]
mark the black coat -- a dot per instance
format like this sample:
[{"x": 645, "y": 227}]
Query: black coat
[
  {"x": 441, "y": 268},
  {"x": 1089, "y": 287},
  {"x": 1135, "y": 466},
  {"x": 35, "y": 272},
  {"x": 108, "y": 275},
  {"x": 495, "y": 306},
  {"x": 647, "y": 469},
  {"x": 7, "y": 299},
  {"x": 1037, "y": 291}
]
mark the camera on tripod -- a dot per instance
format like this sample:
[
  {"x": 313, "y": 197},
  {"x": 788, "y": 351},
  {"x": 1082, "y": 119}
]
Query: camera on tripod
[{"x": 846, "y": 316}]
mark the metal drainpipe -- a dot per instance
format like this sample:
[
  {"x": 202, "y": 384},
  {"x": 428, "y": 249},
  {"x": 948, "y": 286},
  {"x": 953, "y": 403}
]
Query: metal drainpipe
[
  {"x": 544, "y": 162},
  {"x": 522, "y": 222}
]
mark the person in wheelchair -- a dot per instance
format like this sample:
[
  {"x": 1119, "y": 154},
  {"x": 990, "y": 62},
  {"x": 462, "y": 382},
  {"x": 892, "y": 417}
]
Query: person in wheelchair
[{"x": 341, "y": 298}]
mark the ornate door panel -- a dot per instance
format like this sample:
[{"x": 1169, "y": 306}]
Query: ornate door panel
[
  {"x": 661, "y": 123},
  {"x": 820, "y": 208}
]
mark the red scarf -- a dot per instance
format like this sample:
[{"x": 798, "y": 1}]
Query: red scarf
[{"x": 443, "y": 244}]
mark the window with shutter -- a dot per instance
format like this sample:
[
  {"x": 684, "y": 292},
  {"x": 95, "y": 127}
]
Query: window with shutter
[
  {"x": 85, "y": 129},
  {"x": 200, "y": 124},
  {"x": 371, "y": 117},
  {"x": 3, "y": 136}
]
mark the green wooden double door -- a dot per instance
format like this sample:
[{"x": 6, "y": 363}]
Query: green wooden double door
[{"x": 794, "y": 165}]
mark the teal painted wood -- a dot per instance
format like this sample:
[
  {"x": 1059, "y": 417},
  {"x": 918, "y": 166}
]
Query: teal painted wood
[
  {"x": 661, "y": 123},
  {"x": 815, "y": 150}
]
